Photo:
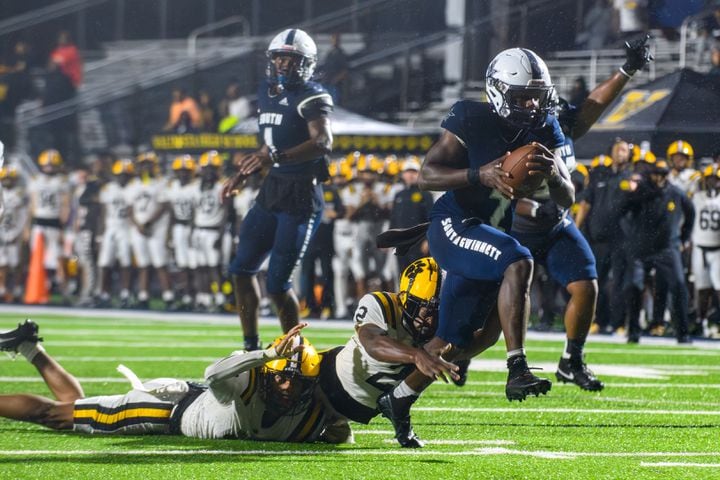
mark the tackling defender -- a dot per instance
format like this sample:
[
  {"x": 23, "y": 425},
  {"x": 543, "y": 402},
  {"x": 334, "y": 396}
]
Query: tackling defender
[
  {"x": 390, "y": 330},
  {"x": 266, "y": 395}
]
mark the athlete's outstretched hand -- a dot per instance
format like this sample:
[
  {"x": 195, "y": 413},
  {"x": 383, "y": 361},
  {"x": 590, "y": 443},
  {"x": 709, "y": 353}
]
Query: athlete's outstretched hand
[
  {"x": 492, "y": 175},
  {"x": 285, "y": 347},
  {"x": 637, "y": 54},
  {"x": 231, "y": 184},
  {"x": 254, "y": 161},
  {"x": 434, "y": 366}
]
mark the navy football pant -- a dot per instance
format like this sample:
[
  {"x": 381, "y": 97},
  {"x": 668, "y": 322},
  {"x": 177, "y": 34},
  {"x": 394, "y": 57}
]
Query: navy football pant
[
  {"x": 474, "y": 257},
  {"x": 283, "y": 236}
]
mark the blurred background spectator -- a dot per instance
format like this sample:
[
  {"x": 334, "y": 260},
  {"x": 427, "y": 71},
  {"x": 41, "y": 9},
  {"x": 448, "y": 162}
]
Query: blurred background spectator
[
  {"x": 67, "y": 57},
  {"x": 334, "y": 69},
  {"x": 597, "y": 26},
  {"x": 184, "y": 115}
]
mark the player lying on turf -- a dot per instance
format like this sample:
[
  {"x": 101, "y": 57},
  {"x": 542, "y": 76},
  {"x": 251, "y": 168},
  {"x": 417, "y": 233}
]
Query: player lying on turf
[
  {"x": 390, "y": 330},
  {"x": 266, "y": 394}
]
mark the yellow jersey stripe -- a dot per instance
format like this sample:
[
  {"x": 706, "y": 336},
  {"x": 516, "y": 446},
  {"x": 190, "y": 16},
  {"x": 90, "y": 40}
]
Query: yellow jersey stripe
[
  {"x": 393, "y": 309},
  {"x": 109, "y": 419},
  {"x": 310, "y": 423},
  {"x": 385, "y": 304},
  {"x": 250, "y": 390}
]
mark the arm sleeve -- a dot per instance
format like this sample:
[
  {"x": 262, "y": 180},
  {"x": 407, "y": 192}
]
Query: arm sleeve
[
  {"x": 315, "y": 106},
  {"x": 235, "y": 364}
]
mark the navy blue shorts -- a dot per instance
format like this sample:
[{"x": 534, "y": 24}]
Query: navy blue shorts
[
  {"x": 283, "y": 236},
  {"x": 474, "y": 257},
  {"x": 563, "y": 251}
]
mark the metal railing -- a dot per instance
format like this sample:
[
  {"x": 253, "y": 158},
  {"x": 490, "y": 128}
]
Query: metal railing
[
  {"x": 44, "y": 14},
  {"x": 212, "y": 27}
]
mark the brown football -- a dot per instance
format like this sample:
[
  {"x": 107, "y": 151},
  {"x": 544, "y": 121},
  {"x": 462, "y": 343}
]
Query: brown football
[{"x": 515, "y": 164}]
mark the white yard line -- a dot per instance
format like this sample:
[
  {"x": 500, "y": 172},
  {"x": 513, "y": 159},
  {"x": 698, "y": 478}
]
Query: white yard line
[
  {"x": 607, "y": 385},
  {"x": 601, "y": 411},
  {"x": 459, "y": 442},
  {"x": 359, "y": 452}
]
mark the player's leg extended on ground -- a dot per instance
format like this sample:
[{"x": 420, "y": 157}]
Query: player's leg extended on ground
[{"x": 37, "y": 409}]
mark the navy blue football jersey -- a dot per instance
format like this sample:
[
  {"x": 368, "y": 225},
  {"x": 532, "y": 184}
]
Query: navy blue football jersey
[
  {"x": 478, "y": 128},
  {"x": 283, "y": 126}
]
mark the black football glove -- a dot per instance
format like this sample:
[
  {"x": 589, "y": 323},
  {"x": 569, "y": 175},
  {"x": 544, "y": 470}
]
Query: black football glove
[{"x": 637, "y": 55}]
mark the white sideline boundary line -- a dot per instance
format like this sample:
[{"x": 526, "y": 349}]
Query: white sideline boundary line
[
  {"x": 36, "y": 312},
  {"x": 359, "y": 452},
  {"x": 679, "y": 464}
]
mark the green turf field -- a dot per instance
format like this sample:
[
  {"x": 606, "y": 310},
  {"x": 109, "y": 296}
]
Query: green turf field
[{"x": 658, "y": 417}]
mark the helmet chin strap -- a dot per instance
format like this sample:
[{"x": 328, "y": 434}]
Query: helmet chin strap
[{"x": 281, "y": 83}]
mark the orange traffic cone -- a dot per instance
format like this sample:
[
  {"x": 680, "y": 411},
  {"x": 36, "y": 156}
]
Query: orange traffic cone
[{"x": 36, "y": 290}]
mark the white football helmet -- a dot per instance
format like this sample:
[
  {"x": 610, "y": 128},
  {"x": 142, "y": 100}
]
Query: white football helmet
[
  {"x": 296, "y": 42},
  {"x": 515, "y": 76}
]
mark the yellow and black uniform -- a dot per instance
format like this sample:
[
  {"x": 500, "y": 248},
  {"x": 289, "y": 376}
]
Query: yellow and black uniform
[{"x": 349, "y": 376}]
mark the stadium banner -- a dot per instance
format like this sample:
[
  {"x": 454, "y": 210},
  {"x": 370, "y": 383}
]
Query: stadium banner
[
  {"x": 683, "y": 105},
  {"x": 351, "y": 132},
  {"x": 200, "y": 142}
]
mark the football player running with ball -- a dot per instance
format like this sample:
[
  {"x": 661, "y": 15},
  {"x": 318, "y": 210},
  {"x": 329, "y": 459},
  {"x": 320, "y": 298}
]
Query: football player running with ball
[
  {"x": 268, "y": 395},
  {"x": 487, "y": 285},
  {"x": 295, "y": 129},
  {"x": 390, "y": 330}
]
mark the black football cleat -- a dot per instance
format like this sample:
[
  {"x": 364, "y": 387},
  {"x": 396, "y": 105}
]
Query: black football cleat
[
  {"x": 521, "y": 382},
  {"x": 574, "y": 370},
  {"x": 462, "y": 372},
  {"x": 25, "y": 332},
  {"x": 397, "y": 410}
]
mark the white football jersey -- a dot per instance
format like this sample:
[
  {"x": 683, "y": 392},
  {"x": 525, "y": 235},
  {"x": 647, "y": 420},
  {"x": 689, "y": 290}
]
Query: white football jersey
[
  {"x": 47, "y": 192},
  {"x": 350, "y": 198},
  {"x": 237, "y": 380},
  {"x": 115, "y": 205},
  {"x": 243, "y": 201},
  {"x": 706, "y": 229},
  {"x": 146, "y": 197},
  {"x": 181, "y": 199},
  {"x": 363, "y": 377},
  {"x": 686, "y": 180},
  {"x": 16, "y": 213},
  {"x": 209, "y": 209}
]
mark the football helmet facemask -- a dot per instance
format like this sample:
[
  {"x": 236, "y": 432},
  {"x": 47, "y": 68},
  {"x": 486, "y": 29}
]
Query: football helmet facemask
[
  {"x": 420, "y": 299},
  {"x": 288, "y": 383},
  {"x": 519, "y": 88},
  {"x": 295, "y": 43}
]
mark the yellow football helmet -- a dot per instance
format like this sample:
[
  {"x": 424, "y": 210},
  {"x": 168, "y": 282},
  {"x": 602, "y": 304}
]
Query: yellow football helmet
[
  {"x": 123, "y": 165},
  {"x": 148, "y": 157},
  {"x": 50, "y": 157},
  {"x": 601, "y": 161},
  {"x": 420, "y": 298},
  {"x": 302, "y": 370},
  {"x": 183, "y": 162},
  {"x": 680, "y": 147},
  {"x": 639, "y": 155},
  {"x": 392, "y": 166},
  {"x": 211, "y": 159},
  {"x": 8, "y": 171}
]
